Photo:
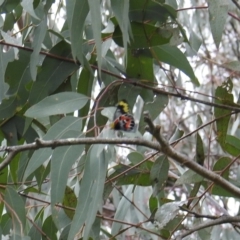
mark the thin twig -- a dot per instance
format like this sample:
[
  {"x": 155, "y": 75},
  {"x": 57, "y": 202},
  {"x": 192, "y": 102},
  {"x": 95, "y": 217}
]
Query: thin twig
[
  {"x": 167, "y": 149},
  {"x": 38, "y": 228},
  {"x": 197, "y": 215},
  {"x": 220, "y": 220}
]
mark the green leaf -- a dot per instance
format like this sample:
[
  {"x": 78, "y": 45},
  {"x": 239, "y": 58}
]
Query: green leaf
[
  {"x": 84, "y": 86},
  {"x": 8, "y": 5},
  {"x": 223, "y": 95},
  {"x": 65, "y": 232},
  {"x": 94, "y": 6},
  {"x": 17, "y": 75},
  {"x": 95, "y": 230},
  {"x": 5, "y": 58},
  {"x": 14, "y": 168},
  {"x": 139, "y": 66},
  {"x": 10, "y": 131},
  {"x": 159, "y": 174},
  {"x": 13, "y": 131},
  {"x": 60, "y": 103},
  {"x": 16, "y": 209},
  {"x": 174, "y": 57},
  {"x": 49, "y": 229},
  {"x": 189, "y": 177},
  {"x": 233, "y": 65},
  {"x": 53, "y": 72},
  {"x": 91, "y": 191},
  {"x": 135, "y": 157},
  {"x": 28, "y": 7},
  {"x": 34, "y": 233},
  {"x": 138, "y": 175},
  {"x": 144, "y": 36},
  {"x": 121, "y": 12},
  {"x": 154, "y": 106},
  {"x": 122, "y": 209},
  {"x": 143, "y": 11},
  {"x": 69, "y": 200},
  {"x": 23, "y": 162},
  {"x": 177, "y": 134},
  {"x": 200, "y": 156},
  {"x": 195, "y": 43},
  {"x": 39, "y": 35},
  {"x": 131, "y": 93},
  {"x": 6, "y": 223},
  {"x": 167, "y": 212},
  {"x": 77, "y": 12},
  {"x": 153, "y": 204},
  {"x": 62, "y": 160},
  {"x": 3, "y": 180},
  {"x": 110, "y": 65},
  {"x": 55, "y": 132},
  {"x": 41, "y": 174},
  {"x": 219, "y": 166},
  {"x": 218, "y": 12},
  {"x": 232, "y": 145}
]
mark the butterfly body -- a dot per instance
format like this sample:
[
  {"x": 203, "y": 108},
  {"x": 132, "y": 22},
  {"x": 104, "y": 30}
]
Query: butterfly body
[{"x": 123, "y": 121}]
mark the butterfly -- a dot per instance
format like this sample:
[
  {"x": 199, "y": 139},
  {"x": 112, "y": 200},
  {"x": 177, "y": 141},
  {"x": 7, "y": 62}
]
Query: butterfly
[{"x": 122, "y": 120}]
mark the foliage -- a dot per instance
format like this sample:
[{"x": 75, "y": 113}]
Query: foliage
[{"x": 65, "y": 174}]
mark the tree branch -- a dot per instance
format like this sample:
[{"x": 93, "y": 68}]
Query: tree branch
[
  {"x": 234, "y": 107},
  {"x": 154, "y": 130},
  {"x": 220, "y": 220},
  {"x": 39, "y": 143},
  {"x": 182, "y": 159},
  {"x": 197, "y": 215}
]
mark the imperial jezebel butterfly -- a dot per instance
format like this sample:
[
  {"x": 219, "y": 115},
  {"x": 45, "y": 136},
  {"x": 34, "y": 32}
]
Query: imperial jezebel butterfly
[{"x": 122, "y": 119}]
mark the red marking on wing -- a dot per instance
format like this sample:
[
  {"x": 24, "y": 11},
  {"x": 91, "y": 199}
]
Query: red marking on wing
[{"x": 128, "y": 120}]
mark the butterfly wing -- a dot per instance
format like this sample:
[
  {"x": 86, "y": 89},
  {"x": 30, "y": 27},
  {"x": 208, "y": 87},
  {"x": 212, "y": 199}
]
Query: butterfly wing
[
  {"x": 124, "y": 122},
  {"x": 122, "y": 119}
]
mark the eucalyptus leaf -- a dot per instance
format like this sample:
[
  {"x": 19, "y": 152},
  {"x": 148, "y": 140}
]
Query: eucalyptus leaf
[{"x": 60, "y": 103}]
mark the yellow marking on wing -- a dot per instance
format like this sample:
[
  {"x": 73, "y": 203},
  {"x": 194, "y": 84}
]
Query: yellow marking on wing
[
  {"x": 124, "y": 105},
  {"x": 112, "y": 125}
]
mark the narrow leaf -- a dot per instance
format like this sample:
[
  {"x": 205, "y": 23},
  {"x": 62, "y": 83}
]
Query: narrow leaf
[
  {"x": 159, "y": 174},
  {"x": 60, "y": 103},
  {"x": 139, "y": 66},
  {"x": 53, "y": 72},
  {"x": 200, "y": 156},
  {"x": 167, "y": 212},
  {"x": 219, "y": 166},
  {"x": 28, "y": 7},
  {"x": 122, "y": 209},
  {"x": 77, "y": 12},
  {"x": 16, "y": 209},
  {"x": 62, "y": 160},
  {"x": 144, "y": 36},
  {"x": 94, "y": 6},
  {"x": 69, "y": 200},
  {"x": 121, "y": 11},
  {"x": 218, "y": 11},
  {"x": 189, "y": 177},
  {"x": 174, "y": 57},
  {"x": 158, "y": 102},
  {"x": 39, "y": 35},
  {"x": 223, "y": 96},
  {"x": 233, "y": 65},
  {"x": 90, "y": 195},
  {"x": 5, "y": 58},
  {"x": 143, "y": 11},
  {"x": 49, "y": 228},
  {"x": 232, "y": 145},
  {"x": 55, "y": 132}
]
